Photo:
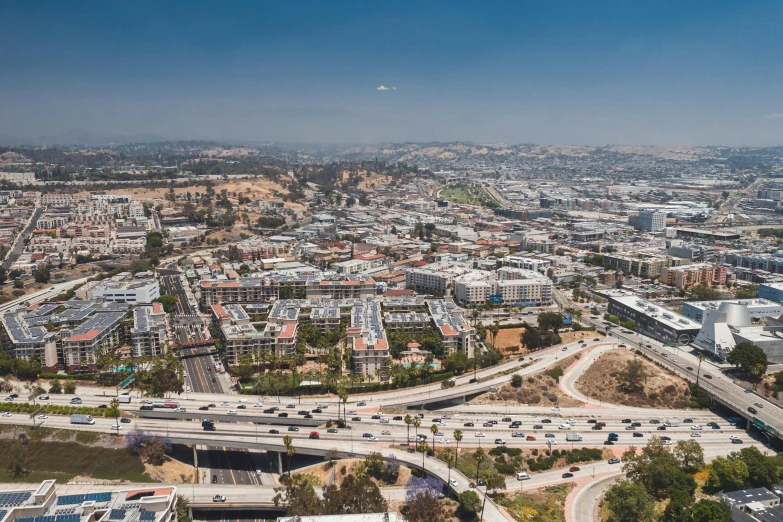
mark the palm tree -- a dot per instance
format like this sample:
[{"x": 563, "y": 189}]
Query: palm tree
[
  {"x": 480, "y": 455},
  {"x": 700, "y": 356},
  {"x": 448, "y": 456},
  {"x": 114, "y": 407},
  {"x": 343, "y": 394},
  {"x": 458, "y": 438},
  {"x": 290, "y": 451},
  {"x": 433, "y": 430},
  {"x": 493, "y": 329},
  {"x": 408, "y": 421},
  {"x": 416, "y": 424}
]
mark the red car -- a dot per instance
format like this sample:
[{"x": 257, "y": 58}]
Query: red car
[
  {"x": 573, "y": 468},
  {"x": 707, "y": 376}
]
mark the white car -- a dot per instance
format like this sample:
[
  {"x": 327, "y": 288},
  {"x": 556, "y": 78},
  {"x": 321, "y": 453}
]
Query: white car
[
  {"x": 564, "y": 427},
  {"x": 7, "y": 414},
  {"x": 734, "y": 437},
  {"x": 571, "y": 421},
  {"x": 555, "y": 408},
  {"x": 116, "y": 427},
  {"x": 447, "y": 417},
  {"x": 259, "y": 472},
  {"x": 453, "y": 483},
  {"x": 351, "y": 413},
  {"x": 667, "y": 443},
  {"x": 242, "y": 400},
  {"x": 372, "y": 439},
  {"x": 444, "y": 441},
  {"x": 551, "y": 442},
  {"x": 479, "y": 434},
  {"x": 385, "y": 421},
  {"x": 43, "y": 416},
  {"x": 696, "y": 427},
  {"x": 694, "y": 434},
  {"x": 225, "y": 403},
  {"x": 233, "y": 412},
  {"x": 385, "y": 432},
  {"x": 258, "y": 405}
]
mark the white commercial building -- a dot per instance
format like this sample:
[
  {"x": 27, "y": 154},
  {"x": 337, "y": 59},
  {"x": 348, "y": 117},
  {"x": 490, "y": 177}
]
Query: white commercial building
[
  {"x": 652, "y": 220},
  {"x": 144, "y": 291},
  {"x": 512, "y": 286}
]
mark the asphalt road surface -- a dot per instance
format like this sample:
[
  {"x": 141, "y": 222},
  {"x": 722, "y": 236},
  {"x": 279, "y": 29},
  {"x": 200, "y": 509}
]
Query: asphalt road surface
[
  {"x": 19, "y": 247},
  {"x": 202, "y": 377}
]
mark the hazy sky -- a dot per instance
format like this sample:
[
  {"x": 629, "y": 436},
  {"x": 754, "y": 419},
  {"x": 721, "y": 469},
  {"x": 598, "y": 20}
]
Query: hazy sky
[{"x": 582, "y": 72}]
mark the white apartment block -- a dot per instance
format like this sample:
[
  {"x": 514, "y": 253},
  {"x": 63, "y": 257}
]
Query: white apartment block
[
  {"x": 137, "y": 291},
  {"x": 515, "y": 286},
  {"x": 148, "y": 334},
  {"x": 436, "y": 278},
  {"x": 527, "y": 263},
  {"x": 59, "y": 200}
]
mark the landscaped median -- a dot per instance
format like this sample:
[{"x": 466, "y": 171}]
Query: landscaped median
[{"x": 55, "y": 409}]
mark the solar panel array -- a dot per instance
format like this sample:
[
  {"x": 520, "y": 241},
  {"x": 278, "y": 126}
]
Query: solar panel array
[
  {"x": 3, "y": 513},
  {"x": 50, "y": 518},
  {"x": 116, "y": 514},
  {"x": 15, "y": 498},
  {"x": 147, "y": 515},
  {"x": 78, "y": 499}
]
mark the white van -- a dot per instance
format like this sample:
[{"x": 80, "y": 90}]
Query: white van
[
  {"x": 564, "y": 427},
  {"x": 523, "y": 476}
]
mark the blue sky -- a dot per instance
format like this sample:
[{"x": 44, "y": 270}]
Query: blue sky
[{"x": 629, "y": 72}]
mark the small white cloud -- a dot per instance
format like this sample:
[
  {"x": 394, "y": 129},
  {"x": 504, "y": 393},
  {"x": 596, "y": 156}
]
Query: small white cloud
[
  {"x": 383, "y": 88},
  {"x": 774, "y": 116}
]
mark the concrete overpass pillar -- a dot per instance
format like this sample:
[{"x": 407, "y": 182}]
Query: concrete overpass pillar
[
  {"x": 279, "y": 462},
  {"x": 195, "y": 461}
]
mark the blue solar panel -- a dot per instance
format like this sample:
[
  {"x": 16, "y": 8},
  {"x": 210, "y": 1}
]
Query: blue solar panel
[
  {"x": 67, "y": 518},
  {"x": 70, "y": 499},
  {"x": 14, "y": 499},
  {"x": 116, "y": 514},
  {"x": 25, "y": 519},
  {"x": 147, "y": 515},
  {"x": 98, "y": 497},
  {"x": 3, "y": 512}
]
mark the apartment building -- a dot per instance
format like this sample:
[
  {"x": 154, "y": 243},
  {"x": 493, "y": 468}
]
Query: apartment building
[
  {"x": 526, "y": 263},
  {"x": 436, "y": 278},
  {"x": 26, "y": 338},
  {"x": 59, "y": 200},
  {"x": 240, "y": 337},
  {"x": 651, "y": 220},
  {"x": 455, "y": 332},
  {"x": 514, "y": 286},
  {"x": 255, "y": 249},
  {"x": 81, "y": 347},
  {"x": 694, "y": 274},
  {"x": 646, "y": 267},
  {"x": 367, "y": 340},
  {"x": 275, "y": 286},
  {"x": 148, "y": 335},
  {"x": 130, "y": 291}
]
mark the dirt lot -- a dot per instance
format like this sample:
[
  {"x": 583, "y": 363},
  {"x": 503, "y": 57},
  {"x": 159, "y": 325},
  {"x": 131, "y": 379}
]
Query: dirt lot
[
  {"x": 509, "y": 337},
  {"x": 542, "y": 391},
  {"x": 323, "y": 471},
  {"x": 256, "y": 188},
  {"x": 662, "y": 390}
]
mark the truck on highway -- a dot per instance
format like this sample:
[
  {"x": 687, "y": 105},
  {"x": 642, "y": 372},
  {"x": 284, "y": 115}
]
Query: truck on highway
[
  {"x": 124, "y": 399},
  {"x": 315, "y": 435},
  {"x": 572, "y": 436},
  {"x": 208, "y": 425},
  {"x": 167, "y": 405},
  {"x": 78, "y": 418},
  {"x": 671, "y": 423},
  {"x": 612, "y": 436}
]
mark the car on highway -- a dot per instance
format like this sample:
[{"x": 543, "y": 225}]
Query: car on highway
[
  {"x": 549, "y": 435},
  {"x": 696, "y": 427},
  {"x": 453, "y": 483},
  {"x": 621, "y": 346},
  {"x": 613, "y": 460},
  {"x": 203, "y": 408},
  {"x": 752, "y": 410},
  {"x": 487, "y": 424},
  {"x": 274, "y": 432},
  {"x": 242, "y": 407},
  {"x": 293, "y": 428},
  {"x": 7, "y": 414},
  {"x": 626, "y": 421},
  {"x": 521, "y": 475},
  {"x": 479, "y": 434},
  {"x": 290, "y": 406},
  {"x": 75, "y": 400},
  {"x": 214, "y": 479},
  {"x": 43, "y": 398},
  {"x": 317, "y": 410},
  {"x": 351, "y": 413},
  {"x": 518, "y": 434},
  {"x": 282, "y": 414},
  {"x": 736, "y": 441},
  {"x": 258, "y": 405},
  {"x": 538, "y": 427},
  {"x": 362, "y": 403},
  {"x": 385, "y": 421},
  {"x": 565, "y": 348},
  {"x": 506, "y": 419},
  {"x": 597, "y": 427},
  {"x": 695, "y": 434},
  {"x": 500, "y": 441},
  {"x": 43, "y": 416},
  {"x": 666, "y": 438},
  {"x": 597, "y": 339},
  {"x": 568, "y": 475},
  {"x": 565, "y": 426},
  {"x": 115, "y": 427},
  {"x": 211, "y": 406},
  {"x": 372, "y": 439},
  {"x": 546, "y": 421},
  {"x": 367, "y": 435},
  {"x": 356, "y": 419},
  {"x": 530, "y": 437},
  {"x": 125, "y": 420},
  {"x": 630, "y": 428},
  {"x": 637, "y": 434},
  {"x": 758, "y": 405},
  {"x": 689, "y": 368},
  {"x": 555, "y": 408},
  {"x": 655, "y": 421},
  {"x": 574, "y": 469},
  {"x": 225, "y": 403},
  {"x": 707, "y": 376},
  {"x": 661, "y": 428},
  {"x": 302, "y": 412},
  {"x": 608, "y": 443},
  {"x": 468, "y": 425},
  {"x": 687, "y": 421},
  {"x": 219, "y": 498},
  {"x": 233, "y": 412},
  {"x": 331, "y": 430},
  {"x": 440, "y": 441},
  {"x": 397, "y": 417},
  {"x": 715, "y": 427},
  {"x": 667, "y": 443}
]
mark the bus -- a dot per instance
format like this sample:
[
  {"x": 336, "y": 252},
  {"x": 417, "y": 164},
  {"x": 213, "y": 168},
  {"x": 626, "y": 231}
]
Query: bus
[{"x": 167, "y": 405}]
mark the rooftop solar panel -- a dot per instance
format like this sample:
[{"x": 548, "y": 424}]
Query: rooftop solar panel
[
  {"x": 116, "y": 514},
  {"x": 15, "y": 498},
  {"x": 3, "y": 513},
  {"x": 68, "y": 518},
  {"x": 147, "y": 515}
]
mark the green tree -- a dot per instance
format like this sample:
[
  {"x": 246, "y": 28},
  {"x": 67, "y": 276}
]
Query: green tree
[
  {"x": 516, "y": 381},
  {"x": 55, "y": 388},
  {"x": 747, "y": 292},
  {"x": 354, "y": 496},
  {"x": 42, "y": 274},
  {"x": 290, "y": 451},
  {"x": 762, "y": 470},
  {"x": 18, "y": 451},
  {"x": 710, "y": 511},
  {"x": 424, "y": 507},
  {"x": 690, "y": 454},
  {"x": 69, "y": 388},
  {"x": 469, "y": 501},
  {"x": 633, "y": 376},
  {"x": 727, "y": 475},
  {"x": 630, "y": 502},
  {"x": 169, "y": 303},
  {"x": 550, "y": 321},
  {"x": 298, "y": 497},
  {"x": 749, "y": 359}
]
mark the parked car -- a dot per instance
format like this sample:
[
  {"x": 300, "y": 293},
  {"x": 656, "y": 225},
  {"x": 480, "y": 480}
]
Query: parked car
[{"x": 218, "y": 498}]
